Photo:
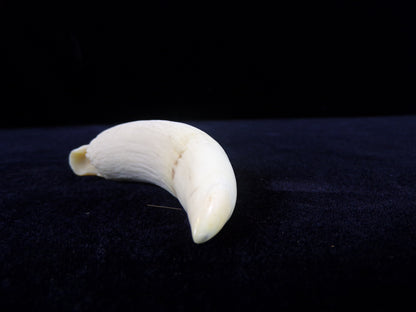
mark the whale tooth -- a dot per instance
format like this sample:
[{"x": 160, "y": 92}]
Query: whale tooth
[{"x": 178, "y": 157}]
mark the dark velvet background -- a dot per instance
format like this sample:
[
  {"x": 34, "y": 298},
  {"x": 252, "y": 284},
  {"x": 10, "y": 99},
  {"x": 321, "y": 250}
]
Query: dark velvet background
[
  {"x": 325, "y": 217},
  {"x": 325, "y": 220}
]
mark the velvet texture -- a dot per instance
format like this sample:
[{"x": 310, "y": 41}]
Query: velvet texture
[{"x": 325, "y": 220}]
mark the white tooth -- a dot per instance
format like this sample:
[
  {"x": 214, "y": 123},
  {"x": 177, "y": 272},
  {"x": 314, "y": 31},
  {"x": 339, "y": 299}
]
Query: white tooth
[{"x": 180, "y": 158}]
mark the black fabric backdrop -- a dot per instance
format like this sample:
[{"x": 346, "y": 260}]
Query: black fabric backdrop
[
  {"x": 63, "y": 62},
  {"x": 325, "y": 220}
]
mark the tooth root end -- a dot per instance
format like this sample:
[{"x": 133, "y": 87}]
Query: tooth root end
[{"x": 80, "y": 163}]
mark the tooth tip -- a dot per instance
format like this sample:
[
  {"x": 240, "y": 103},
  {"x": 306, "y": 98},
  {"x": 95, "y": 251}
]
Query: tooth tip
[
  {"x": 204, "y": 230},
  {"x": 200, "y": 238},
  {"x": 206, "y": 222}
]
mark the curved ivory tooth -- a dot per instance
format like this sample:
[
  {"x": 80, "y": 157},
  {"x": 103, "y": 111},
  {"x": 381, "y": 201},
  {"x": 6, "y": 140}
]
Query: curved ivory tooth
[{"x": 180, "y": 158}]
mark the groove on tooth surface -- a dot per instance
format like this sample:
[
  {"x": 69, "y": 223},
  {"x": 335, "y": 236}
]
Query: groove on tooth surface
[{"x": 175, "y": 164}]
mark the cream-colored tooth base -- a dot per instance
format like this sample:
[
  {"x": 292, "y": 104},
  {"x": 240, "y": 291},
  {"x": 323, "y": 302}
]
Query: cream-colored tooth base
[
  {"x": 79, "y": 162},
  {"x": 180, "y": 158}
]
